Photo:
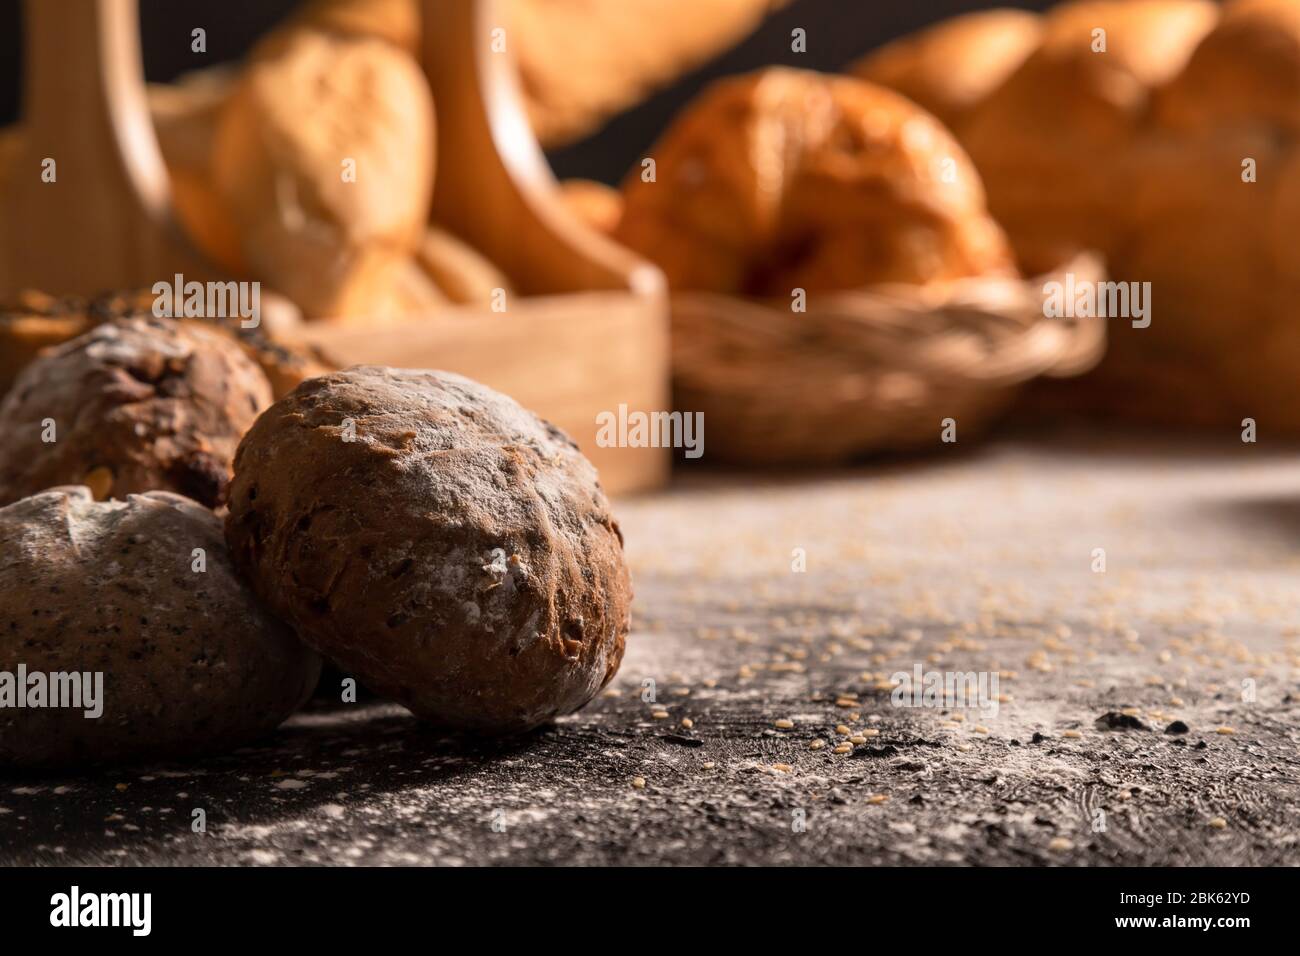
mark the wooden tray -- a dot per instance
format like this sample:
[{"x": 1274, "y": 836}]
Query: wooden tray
[{"x": 586, "y": 331}]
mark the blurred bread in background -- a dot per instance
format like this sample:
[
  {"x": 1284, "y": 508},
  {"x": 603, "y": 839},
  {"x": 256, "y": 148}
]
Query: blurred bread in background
[
  {"x": 596, "y": 204},
  {"x": 464, "y": 275},
  {"x": 395, "y": 21},
  {"x": 582, "y": 61},
  {"x": 952, "y": 66},
  {"x": 788, "y": 179},
  {"x": 324, "y": 154},
  {"x": 1046, "y": 140}
]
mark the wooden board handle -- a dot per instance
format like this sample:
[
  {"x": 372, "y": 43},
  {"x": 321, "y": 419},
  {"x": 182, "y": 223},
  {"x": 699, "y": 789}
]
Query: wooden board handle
[
  {"x": 104, "y": 221},
  {"x": 494, "y": 186}
]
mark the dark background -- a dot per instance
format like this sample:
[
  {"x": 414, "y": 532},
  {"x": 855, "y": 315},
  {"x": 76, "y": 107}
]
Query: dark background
[{"x": 838, "y": 31}]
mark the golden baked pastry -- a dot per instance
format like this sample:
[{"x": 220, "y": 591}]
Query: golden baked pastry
[
  {"x": 582, "y": 61},
  {"x": 788, "y": 179},
  {"x": 952, "y": 66},
  {"x": 1047, "y": 140},
  {"x": 596, "y": 204},
  {"x": 324, "y": 154},
  {"x": 458, "y": 270}
]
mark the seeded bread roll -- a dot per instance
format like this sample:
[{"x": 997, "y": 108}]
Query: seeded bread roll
[
  {"x": 789, "y": 179},
  {"x": 324, "y": 154},
  {"x": 1051, "y": 141},
  {"x": 432, "y": 537},
  {"x": 32, "y": 321},
  {"x": 190, "y": 663},
  {"x": 952, "y": 66},
  {"x": 133, "y": 405}
]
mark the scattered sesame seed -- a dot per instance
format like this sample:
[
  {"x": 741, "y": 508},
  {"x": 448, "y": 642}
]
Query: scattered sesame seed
[
  {"x": 842, "y": 730},
  {"x": 1219, "y": 823},
  {"x": 1060, "y": 845},
  {"x": 638, "y": 782},
  {"x": 782, "y": 767},
  {"x": 708, "y": 765},
  {"x": 785, "y": 723},
  {"x": 857, "y": 739},
  {"x": 1225, "y": 730},
  {"x": 1072, "y": 734},
  {"x": 842, "y": 749},
  {"x": 816, "y": 744},
  {"x": 659, "y": 714},
  {"x": 981, "y": 729},
  {"x": 877, "y": 798},
  {"x": 688, "y": 723}
]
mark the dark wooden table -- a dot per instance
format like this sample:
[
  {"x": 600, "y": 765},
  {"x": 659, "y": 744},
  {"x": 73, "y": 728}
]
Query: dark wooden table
[{"x": 982, "y": 562}]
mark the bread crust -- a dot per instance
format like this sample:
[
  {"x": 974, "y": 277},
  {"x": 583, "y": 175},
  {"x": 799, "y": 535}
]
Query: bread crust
[
  {"x": 190, "y": 661},
  {"x": 458, "y": 556},
  {"x": 137, "y": 404}
]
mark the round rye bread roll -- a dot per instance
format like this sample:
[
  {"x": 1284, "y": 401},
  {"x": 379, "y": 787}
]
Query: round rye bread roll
[
  {"x": 133, "y": 405},
  {"x": 130, "y": 643},
  {"x": 437, "y": 540}
]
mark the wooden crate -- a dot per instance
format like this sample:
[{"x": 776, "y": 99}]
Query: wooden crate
[{"x": 585, "y": 331}]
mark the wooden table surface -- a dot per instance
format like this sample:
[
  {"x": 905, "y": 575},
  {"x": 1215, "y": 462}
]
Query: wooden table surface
[{"x": 980, "y": 560}]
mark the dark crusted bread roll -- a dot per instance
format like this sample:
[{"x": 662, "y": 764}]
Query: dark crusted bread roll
[
  {"x": 437, "y": 540},
  {"x": 134, "y": 405},
  {"x": 189, "y": 662}
]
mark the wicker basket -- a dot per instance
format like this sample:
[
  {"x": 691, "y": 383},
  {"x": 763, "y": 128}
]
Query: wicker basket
[{"x": 870, "y": 371}]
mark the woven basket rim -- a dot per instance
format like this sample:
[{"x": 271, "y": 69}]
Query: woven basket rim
[{"x": 989, "y": 332}]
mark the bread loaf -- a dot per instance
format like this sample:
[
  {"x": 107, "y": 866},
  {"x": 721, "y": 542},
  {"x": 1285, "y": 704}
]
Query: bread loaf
[{"x": 953, "y": 66}]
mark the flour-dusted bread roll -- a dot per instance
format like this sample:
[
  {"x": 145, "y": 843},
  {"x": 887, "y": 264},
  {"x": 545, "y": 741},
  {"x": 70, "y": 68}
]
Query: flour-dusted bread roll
[
  {"x": 133, "y": 405},
  {"x": 787, "y": 179},
  {"x": 432, "y": 537},
  {"x": 952, "y": 66},
  {"x": 1051, "y": 142},
  {"x": 141, "y": 593},
  {"x": 324, "y": 155}
]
